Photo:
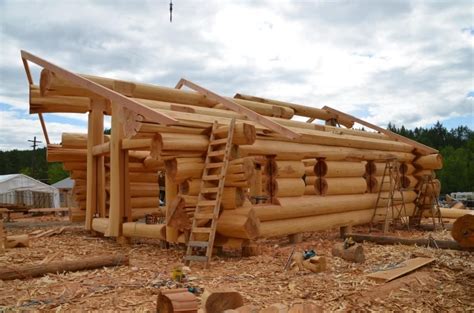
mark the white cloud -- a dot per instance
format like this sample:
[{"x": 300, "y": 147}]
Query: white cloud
[{"x": 408, "y": 62}]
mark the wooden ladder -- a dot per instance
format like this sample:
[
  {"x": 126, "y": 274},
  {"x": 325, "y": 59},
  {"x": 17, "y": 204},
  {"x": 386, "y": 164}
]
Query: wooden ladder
[
  {"x": 395, "y": 201},
  {"x": 210, "y": 197},
  {"x": 421, "y": 202}
]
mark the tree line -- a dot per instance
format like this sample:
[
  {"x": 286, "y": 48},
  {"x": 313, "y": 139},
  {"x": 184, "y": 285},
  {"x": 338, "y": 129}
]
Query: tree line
[
  {"x": 457, "y": 148},
  {"x": 31, "y": 163},
  {"x": 455, "y": 145}
]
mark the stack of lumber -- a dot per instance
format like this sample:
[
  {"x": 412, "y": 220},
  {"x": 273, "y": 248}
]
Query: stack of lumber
[{"x": 318, "y": 178}]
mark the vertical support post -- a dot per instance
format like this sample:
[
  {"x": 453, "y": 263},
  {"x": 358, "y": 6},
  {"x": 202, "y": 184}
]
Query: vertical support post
[
  {"x": 171, "y": 191},
  {"x": 126, "y": 188},
  {"x": 95, "y": 195},
  {"x": 117, "y": 202}
]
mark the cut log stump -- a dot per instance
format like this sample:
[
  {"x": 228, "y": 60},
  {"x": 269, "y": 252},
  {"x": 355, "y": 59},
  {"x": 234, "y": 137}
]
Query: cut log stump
[
  {"x": 17, "y": 241},
  {"x": 354, "y": 253},
  {"x": 176, "y": 300},
  {"x": 216, "y": 301},
  {"x": 463, "y": 231}
]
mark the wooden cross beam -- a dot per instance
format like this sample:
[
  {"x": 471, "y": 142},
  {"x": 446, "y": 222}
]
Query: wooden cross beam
[
  {"x": 419, "y": 146},
  {"x": 138, "y": 108},
  {"x": 232, "y": 105}
]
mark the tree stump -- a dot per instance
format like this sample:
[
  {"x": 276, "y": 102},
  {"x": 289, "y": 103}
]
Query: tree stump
[
  {"x": 176, "y": 300},
  {"x": 216, "y": 301},
  {"x": 463, "y": 231},
  {"x": 354, "y": 253}
]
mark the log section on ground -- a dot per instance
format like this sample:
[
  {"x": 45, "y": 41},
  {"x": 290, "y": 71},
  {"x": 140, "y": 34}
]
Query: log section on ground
[
  {"x": 219, "y": 300},
  {"x": 325, "y": 168},
  {"x": 391, "y": 240},
  {"x": 353, "y": 253},
  {"x": 176, "y": 300},
  {"x": 463, "y": 231},
  {"x": 340, "y": 186},
  {"x": 85, "y": 263}
]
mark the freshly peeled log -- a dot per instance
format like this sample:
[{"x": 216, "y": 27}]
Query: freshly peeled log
[
  {"x": 286, "y": 187},
  {"x": 338, "y": 169},
  {"x": 340, "y": 186}
]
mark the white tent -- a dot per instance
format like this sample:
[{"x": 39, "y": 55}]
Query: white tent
[{"x": 24, "y": 191}]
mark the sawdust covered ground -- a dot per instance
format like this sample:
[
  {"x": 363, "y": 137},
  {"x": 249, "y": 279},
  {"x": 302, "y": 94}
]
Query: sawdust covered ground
[{"x": 446, "y": 285}]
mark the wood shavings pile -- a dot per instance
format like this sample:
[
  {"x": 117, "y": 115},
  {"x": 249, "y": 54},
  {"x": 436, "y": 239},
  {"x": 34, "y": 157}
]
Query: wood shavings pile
[{"x": 446, "y": 285}]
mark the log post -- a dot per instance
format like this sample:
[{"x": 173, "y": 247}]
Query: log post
[
  {"x": 171, "y": 191},
  {"x": 117, "y": 201},
  {"x": 95, "y": 201}
]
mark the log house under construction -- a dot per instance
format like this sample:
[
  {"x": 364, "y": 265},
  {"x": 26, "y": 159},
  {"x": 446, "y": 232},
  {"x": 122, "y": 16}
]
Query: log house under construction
[{"x": 234, "y": 169}]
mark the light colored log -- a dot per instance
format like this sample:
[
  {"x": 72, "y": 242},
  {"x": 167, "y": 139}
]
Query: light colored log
[
  {"x": 450, "y": 213},
  {"x": 77, "y": 140},
  {"x": 84, "y": 263},
  {"x": 138, "y": 213},
  {"x": 309, "y": 190},
  {"x": 408, "y": 182},
  {"x": 407, "y": 169},
  {"x": 57, "y": 104},
  {"x": 429, "y": 162},
  {"x": 354, "y": 253},
  {"x": 300, "y": 109},
  {"x": 190, "y": 187},
  {"x": 291, "y": 207},
  {"x": 297, "y": 151},
  {"x": 310, "y": 180},
  {"x": 56, "y": 153},
  {"x": 239, "y": 223},
  {"x": 375, "y": 168},
  {"x": 182, "y": 169},
  {"x": 421, "y": 173},
  {"x": 333, "y": 169},
  {"x": 219, "y": 300},
  {"x": 143, "y": 177},
  {"x": 171, "y": 191},
  {"x": 340, "y": 186},
  {"x": 176, "y": 300},
  {"x": 134, "y": 229},
  {"x": 144, "y": 202},
  {"x": 17, "y": 241},
  {"x": 95, "y": 201},
  {"x": 322, "y": 222},
  {"x": 285, "y": 169},
  {"x": 100, "y": 225},
  {"x": 463, "y": 231},
  {"x": 52, "y": 85},
  {"x": 244, "y": 133},
  {"x": 286, "y": 187},
  {"x": 117, "y": 176}
]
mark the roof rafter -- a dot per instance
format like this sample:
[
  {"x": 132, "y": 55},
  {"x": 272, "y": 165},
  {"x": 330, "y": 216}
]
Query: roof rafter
[
  {"x": 397, "y": 137},
  {"x": 147, "y": 113},
  {"x": 232, "y": 105}
]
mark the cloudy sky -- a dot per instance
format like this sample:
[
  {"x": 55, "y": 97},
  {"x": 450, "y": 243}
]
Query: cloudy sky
[{"x": 408, "y": 62}]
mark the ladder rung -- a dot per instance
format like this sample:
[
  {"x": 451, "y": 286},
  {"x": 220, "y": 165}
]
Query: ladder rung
[
  {"x": 215, "y": 165},
  {"x": 218, "y": 141},
  {"x": 216, "y": 153},
  {"x": 201, "y": 244},
  {"x": 206, "y": 202},
  {"x": 199, "y": 258},
  {"x": 203, "y": 216},
  {"x": 202, "y": 230},
  {"x": 211, "y": 177},
  {"x": 210, "y": 190}
]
